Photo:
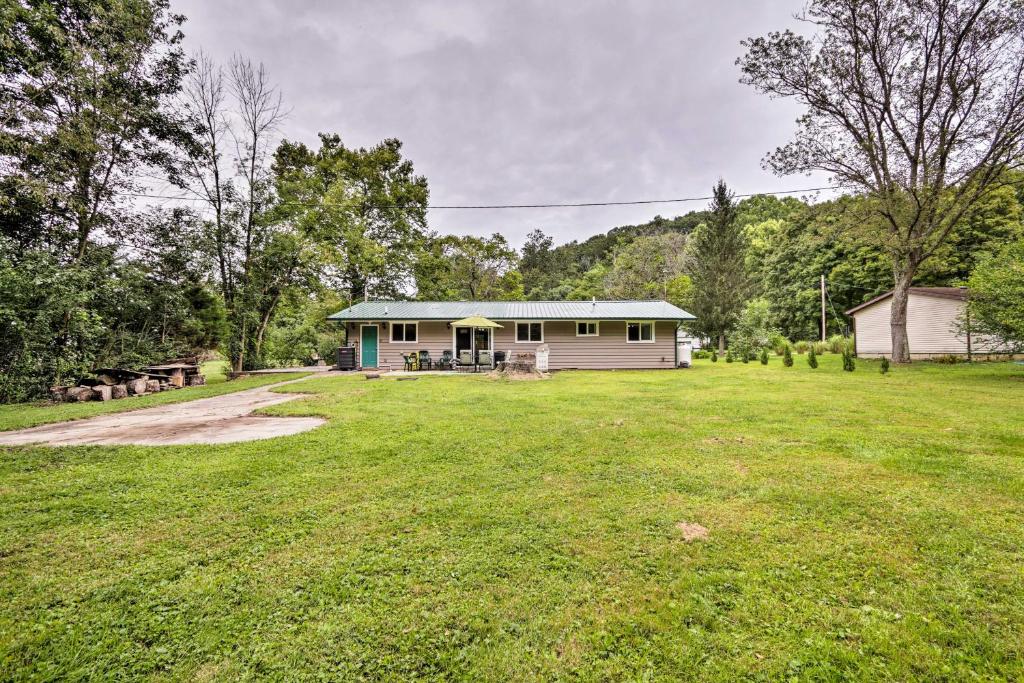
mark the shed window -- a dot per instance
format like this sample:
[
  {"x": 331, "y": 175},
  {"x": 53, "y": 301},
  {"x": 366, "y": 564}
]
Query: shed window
[
  {"x": 529, "y": 332},
  {"x": 640, "y": 332},
  {"x": 586, "y": 329},
  {"x": 403, "y": 333}
]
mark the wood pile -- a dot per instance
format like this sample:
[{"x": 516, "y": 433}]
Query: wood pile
[{"x": 110, "y": 384}]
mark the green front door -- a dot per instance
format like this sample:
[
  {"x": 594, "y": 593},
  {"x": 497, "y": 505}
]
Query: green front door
[{"x": 368, "y": 346}]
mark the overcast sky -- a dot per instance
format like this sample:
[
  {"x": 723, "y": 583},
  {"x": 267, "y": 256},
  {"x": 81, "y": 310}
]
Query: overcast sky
[{"x": 525, "y": 102}]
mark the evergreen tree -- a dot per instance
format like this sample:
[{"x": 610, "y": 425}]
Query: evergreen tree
[
  {"x": 714, "y": 356},
  {"x": 884, "y": 367},
  {"x": 764, "y": 356},
  {"x": 787, "y": 356},
  {"x": 720, "y": 282},
  {"x": 728, "y": 356},
  {"x": 812, "y": 358}
]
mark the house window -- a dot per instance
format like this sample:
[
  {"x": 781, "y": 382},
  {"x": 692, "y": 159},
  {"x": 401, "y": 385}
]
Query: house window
[
  {"x": 529, "y": 332},
  {"x": 638, "y": 332},
  {"x": 403, "y": 333},
  {"x": 586, "y": 329}
]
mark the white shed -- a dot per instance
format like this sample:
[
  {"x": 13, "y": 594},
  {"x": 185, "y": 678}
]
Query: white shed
[{"x": 933, "y": 318}]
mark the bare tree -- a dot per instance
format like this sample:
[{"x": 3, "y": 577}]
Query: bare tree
[
  {"x": 919, "y": 104},
  {"x": 238, "y": 113}
]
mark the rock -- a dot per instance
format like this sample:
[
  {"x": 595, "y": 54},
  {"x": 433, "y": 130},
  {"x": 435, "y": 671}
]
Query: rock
[
  {"x": 196, "y": 380},
  {"x": 119, "y": 391},
  {"x": 152, "y": 385},
  {"x": 102, "y": 392},
  {"x": 79, "y": 394},
  {"x": 137, "y": 386},
  {"x": 373, "y": 375},
  {"x": 58, "y": 394}
]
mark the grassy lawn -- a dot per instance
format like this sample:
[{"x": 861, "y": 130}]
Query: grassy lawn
[
  {"x": 21, "y": 415},
  {"x": 860, "y": 526}
]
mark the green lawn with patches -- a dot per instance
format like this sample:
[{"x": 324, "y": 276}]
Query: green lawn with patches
[
  {"x": 22, "y": 415},
  {"x": 860, "y": 526}
]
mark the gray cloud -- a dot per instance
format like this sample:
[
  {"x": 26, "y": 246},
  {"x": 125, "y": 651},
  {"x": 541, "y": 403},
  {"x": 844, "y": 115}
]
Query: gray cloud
[{"x": 524, "y": 102}]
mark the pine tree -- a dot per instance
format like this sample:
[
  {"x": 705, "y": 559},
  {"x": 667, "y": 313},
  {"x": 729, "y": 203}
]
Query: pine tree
[
  {"x": 884, "y": 367},
  {"x": 787, "y": 356},
  {"x": 714, "y": 356},
  {"x": 848, "y": 363},
  {"x": 764, "y": 356},
  {"x": 812, "y": 358},
  {"x": 728, "y": 356},
  {"x": 720, "y": 281}
]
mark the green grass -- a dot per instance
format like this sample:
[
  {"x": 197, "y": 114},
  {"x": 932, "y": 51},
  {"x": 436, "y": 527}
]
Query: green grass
[
  {"x": 21, "y": 415},
  {"x": 861, "y": 527}
]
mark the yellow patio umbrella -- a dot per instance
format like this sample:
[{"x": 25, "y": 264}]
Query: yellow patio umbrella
[{"x": 476, "y": 321}]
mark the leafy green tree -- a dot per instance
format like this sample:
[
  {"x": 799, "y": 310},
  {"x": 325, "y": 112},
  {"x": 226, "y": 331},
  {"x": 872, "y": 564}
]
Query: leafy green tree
[
  {"x": 647, "y": 266},
  {"x": 368, "y": 204},
  {"x": 895, "y": 110},
  {"x": 996, "y": 302},
  {"x": 720, "y": 282},
  {"x": 468, "y": 268},
  {"x": 754, "y": 330}
]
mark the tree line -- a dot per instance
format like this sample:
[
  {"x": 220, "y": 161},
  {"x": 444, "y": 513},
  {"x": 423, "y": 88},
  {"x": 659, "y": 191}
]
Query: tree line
[{"x": 150, "y": 209}]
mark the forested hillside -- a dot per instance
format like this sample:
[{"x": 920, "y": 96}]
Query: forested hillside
[{"x": 789, "y": 244}]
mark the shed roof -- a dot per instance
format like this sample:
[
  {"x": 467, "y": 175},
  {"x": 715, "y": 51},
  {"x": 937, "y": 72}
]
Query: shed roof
[
  {"x": 513, "y": 310},
  {"x": 959, "y": 293}
]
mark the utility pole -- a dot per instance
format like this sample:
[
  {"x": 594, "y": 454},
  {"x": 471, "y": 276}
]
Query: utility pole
[{"x": 823, "y": 307}]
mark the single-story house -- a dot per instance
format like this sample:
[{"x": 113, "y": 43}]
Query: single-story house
[
  {"x": 934, "y": 317},
  {"x": 578, "y": 334}
]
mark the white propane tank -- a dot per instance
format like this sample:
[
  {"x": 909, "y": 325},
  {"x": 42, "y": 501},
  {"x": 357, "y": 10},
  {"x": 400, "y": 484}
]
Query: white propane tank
[
  {"x": 542, "y": 357},
  {"x": 685, "y": 354}
]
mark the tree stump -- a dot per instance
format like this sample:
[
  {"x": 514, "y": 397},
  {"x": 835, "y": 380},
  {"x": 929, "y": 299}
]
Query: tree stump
[
  {"x": 152, "y": 385},
  {"x": 119, "y": 391},
  {"x": 137, "y": 386},
  {"x": 102, "y": 392}
]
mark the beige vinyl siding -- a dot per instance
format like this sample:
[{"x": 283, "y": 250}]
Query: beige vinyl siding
[
  {"x": 608, "y": 350},
  {"x": 931, "y": 328}
]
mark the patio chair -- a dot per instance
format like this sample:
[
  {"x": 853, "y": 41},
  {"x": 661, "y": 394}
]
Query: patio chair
[
  {"x": 412, "y": 361},
  {"x": 464, "y": 363},
  {"x": 446, "y": 360},
  {"x": 485, "y": 358},
  {"x": 425, "y": 361}
]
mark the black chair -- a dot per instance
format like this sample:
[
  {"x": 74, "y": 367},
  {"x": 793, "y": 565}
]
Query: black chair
[
  {"x": 425, "y": 362},
  {"x": 446, "y": 360}
]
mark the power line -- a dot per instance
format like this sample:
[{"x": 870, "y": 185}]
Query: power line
[{"x": 552, "y": 205}]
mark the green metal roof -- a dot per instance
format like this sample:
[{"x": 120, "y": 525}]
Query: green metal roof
[{"x": 513, "y": 310}]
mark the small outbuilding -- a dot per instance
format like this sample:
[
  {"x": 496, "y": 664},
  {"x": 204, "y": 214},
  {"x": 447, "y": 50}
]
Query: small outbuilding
[{"x": 936, "y": 325}]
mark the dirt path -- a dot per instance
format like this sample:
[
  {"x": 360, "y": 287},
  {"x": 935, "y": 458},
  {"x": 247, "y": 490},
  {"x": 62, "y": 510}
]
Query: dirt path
[{"x": 219, "y": 419}]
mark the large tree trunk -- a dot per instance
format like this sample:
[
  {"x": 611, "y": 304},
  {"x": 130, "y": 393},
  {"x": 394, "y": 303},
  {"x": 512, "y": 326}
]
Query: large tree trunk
[
  {"x": 898, "y": 315},
  {"x": 721, "y": 343}
]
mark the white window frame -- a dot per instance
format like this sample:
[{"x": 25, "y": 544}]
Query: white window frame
[
  {"x": 529, "y": 322},
  {"x": 641, "y": 340},
  {"x": 391, "y": 332},
  {"x": 595, "y": 323}
]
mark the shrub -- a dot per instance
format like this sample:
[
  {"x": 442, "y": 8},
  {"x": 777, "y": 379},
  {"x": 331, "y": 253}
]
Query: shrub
[
  {"x": 802, "y": 346},
  {"x": 728, "y": 356},
  {"x": 714, "y": 356},
  {"x": 836, "y": 343},
  {"x": 764, "y": 356},
  {"x": 819, "y": 347},
  {"x": 884, "y": 367},
  {"x": 701, "y": 354},
  {"x": 949, "y": 359},
  {"x": 778, "y": 343},
  {"x": 848, "y": 363},
  {"x": 746, "y": 357},
  {"x": 812, "y": 358},
  {"x": 753, "y": 330},
  {"x": 787, "y": 357}
]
